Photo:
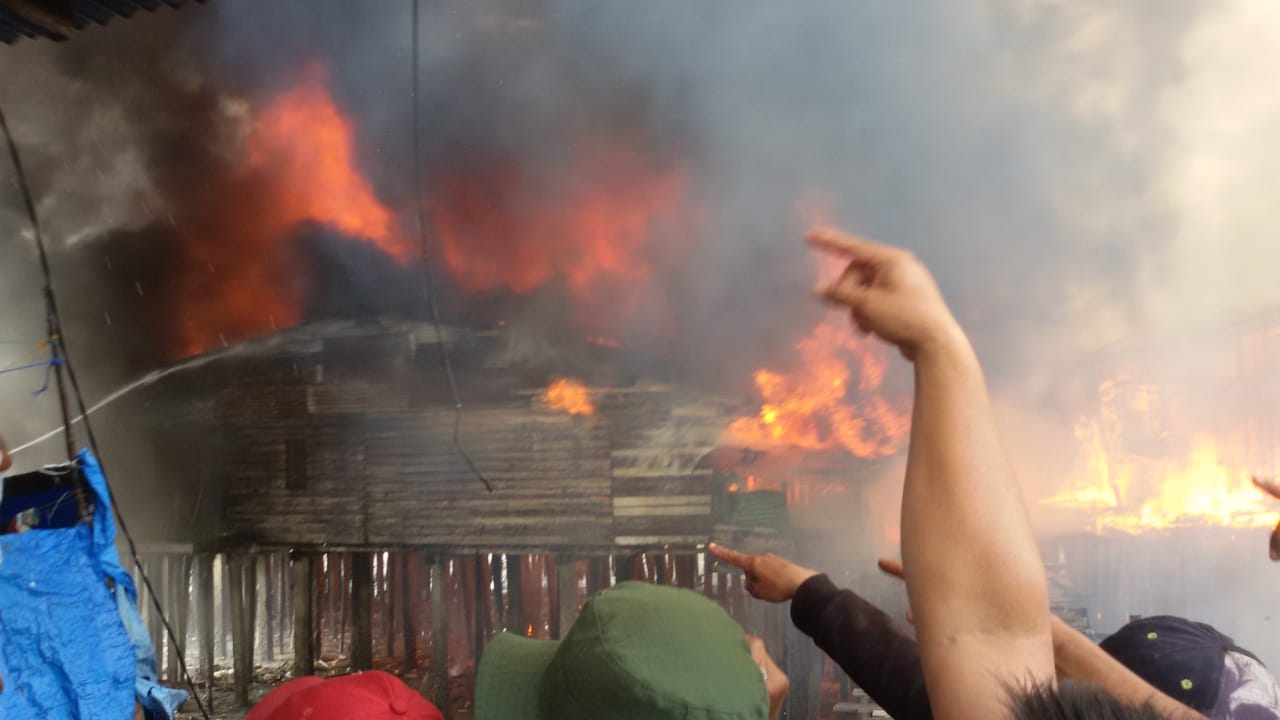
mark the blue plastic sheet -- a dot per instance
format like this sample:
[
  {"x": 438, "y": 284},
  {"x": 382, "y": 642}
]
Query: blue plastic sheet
[{"x": 71, "y": 646}]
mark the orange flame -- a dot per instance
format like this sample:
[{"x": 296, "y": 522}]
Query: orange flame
[
  {"x": 298, "y": 165},
  {"x": 822, "y": 405},
  {"x": 588, "y": 229},
  {"x": 1132, "y": 493},
  {"x": 569, "y": 396},
  {"x": 305, "y": 142}
]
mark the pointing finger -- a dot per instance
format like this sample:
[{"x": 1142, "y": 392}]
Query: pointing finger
[
  {"x": 891, "y": 567},
  {"x": 733, "y": 557},
  {"x": 843, "y": 244}
]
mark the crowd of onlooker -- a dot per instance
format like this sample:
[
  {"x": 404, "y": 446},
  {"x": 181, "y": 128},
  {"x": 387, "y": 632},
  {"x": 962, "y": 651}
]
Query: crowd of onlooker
[{"x": 985, "y": 643}]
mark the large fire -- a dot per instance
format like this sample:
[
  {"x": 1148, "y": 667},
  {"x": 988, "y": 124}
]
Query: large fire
[
  {"x": 824, "y": 404},
  {"x": 297, "y": 165},
  {"x": 570, "y": 396},
  {"x": 589, "y": 228},
  {"x": 1202, "y": 486}
]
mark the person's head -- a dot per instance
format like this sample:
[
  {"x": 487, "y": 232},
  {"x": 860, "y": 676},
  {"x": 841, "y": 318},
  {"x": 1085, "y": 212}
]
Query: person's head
[
  {"x": 636, "y": 651},
  {"x": 1072, "y": 700}
]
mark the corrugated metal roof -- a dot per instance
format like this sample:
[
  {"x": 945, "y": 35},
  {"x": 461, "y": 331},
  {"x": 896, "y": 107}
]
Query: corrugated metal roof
[{"x": 56, "y": 19}]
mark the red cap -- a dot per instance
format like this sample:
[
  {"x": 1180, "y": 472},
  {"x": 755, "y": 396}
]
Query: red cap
[{"x": 374, "y": 695}]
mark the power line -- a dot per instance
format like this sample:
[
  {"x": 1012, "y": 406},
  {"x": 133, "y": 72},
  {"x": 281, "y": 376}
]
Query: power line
[
  {"x": 428, "y": 274},
  {"x": 62, "y": 360}
]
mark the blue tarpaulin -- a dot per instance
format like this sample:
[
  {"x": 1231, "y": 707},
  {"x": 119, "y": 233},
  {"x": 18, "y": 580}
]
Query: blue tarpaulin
[{"x": 72, "y": 644}]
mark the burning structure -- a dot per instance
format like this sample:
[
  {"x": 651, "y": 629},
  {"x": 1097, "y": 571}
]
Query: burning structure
[{"x": 236, "y": 204}]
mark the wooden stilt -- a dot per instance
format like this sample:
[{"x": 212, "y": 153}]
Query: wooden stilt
[
  {"x": 243, "y": 623},
  {"x": 391, "y": 571},
  {"x": 342, "y": 586},
  {"x": 407, "y": 609},
  {"x": 496, "y": 564},
  {"x": 480, "y": 601},
  {"x": 180, "y": 614},
  {"x": 553, "y": 595},
  {"x": 595, "y": 576},
  {"x": 361, "y": 611},
  {"x": 268, "y": 607},
  {"x": 686, "y": 571},
  {"x": 567, "y": 593},
  {"x": 204, "y": 625},
  {"x": 439, "y": 675},
  {"x": 224, "y": 592},
  {"x": 304, "y": 649},
  {"x": 322, "y": 623},
  {"x": 516, "y": 621},
  {"x": 286, "y": 599}
]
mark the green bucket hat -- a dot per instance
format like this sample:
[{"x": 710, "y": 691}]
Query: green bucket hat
[{"x": 637, "y": 652}]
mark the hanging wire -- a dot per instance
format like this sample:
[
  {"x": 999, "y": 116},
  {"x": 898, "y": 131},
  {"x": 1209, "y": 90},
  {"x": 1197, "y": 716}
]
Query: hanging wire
[
  {"x": 427, "y": 272},
  {"x": 60, "y": 358}
]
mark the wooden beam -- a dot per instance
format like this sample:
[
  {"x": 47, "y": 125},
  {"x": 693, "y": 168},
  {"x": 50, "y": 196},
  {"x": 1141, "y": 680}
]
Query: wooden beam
[
  {"x": 204, "y": 629},
  {"x": 361, "y": 611},
  {"x": 304, "y": 648},
  {"x": 551, "y": 567}
]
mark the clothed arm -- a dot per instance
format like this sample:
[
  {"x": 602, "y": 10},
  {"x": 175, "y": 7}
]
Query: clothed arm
[
  {"x": 866, "y": 643},
  {"x": 1078, "y": 658}
]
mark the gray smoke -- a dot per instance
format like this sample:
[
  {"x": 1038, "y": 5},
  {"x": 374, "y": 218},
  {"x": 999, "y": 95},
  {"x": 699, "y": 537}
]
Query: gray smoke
[{"x": 1020, "y": 148}]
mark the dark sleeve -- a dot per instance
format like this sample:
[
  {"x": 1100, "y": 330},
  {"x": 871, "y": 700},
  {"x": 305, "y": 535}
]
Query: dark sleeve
[{"x": 866, "y": 643}]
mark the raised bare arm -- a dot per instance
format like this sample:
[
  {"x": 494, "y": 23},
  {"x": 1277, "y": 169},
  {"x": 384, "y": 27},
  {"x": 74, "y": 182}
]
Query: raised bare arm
[{"x": 974, "y": 576}]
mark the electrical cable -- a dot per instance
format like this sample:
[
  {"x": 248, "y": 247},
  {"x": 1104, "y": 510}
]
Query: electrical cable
[
  {"x": 428, "y": 274},
  {"x": 57, "y": 343}
]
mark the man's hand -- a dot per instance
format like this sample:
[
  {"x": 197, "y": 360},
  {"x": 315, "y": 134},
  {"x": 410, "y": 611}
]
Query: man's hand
[
  {"x": 775, "y": 681},
  {"x": 768, "y": 577},
  {"x": 5, "y": 458},
  {"x": 1272, "y": 488},
  {"x": 889, "y": 292},
  {"x": 1267, "y": 485}
]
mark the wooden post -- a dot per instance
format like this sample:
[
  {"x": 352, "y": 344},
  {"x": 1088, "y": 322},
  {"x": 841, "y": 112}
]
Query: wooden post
[
  {"x": 686, "y": 570},
  {"x": 286, "y": 598},
  {"x": 204, "y": 590},
  {"x": 407, "y": 607},
  {"x": 243, "y": 622},
  {"x": 480, "y": 596},
  {"x": 553, "y": 595},
  {"x": 342, "y": 586},
  {"x": 269, "y": 608},
  {"x": 567, "y": 593},
  {"x": 391, "y": 571},
  {"x": 304, "y": 649},
  {"x": 499, "y": 612},
  {"x": 361, "y": 611},
  {"x": 179, "y": 613},
  {"x": 321, "y": 577},
  {"x": 516, "y": 622},
  {"x": 154, "y": 568},
  {"x": 439, "y": 675},
  {"x": 622, "y": 566},
  {"x": 595, "y": 575},
  {"x": 228, "y": 631}
]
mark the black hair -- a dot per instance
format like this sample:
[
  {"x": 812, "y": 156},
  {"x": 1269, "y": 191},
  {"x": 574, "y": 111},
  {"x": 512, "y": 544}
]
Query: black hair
[{"x": 1072, "y": 700}]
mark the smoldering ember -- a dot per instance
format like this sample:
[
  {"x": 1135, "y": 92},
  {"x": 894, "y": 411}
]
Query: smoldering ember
[{"x": 362, "y": 336}]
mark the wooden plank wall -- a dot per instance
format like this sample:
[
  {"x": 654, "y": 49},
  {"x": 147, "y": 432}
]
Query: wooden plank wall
[{"x": 370, "y": 420}]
